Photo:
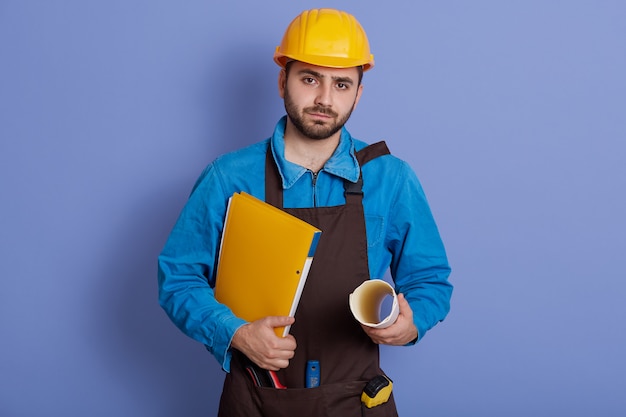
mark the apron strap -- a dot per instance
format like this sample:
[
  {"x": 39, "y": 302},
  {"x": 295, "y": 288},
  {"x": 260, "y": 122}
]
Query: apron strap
[
  {"x": 353, "y": 190},
  {"x": 273, "y": 183},
  {"x": 372, "y": 151}
]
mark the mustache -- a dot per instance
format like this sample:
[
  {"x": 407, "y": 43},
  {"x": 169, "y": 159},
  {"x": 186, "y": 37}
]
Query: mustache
[{"x": 321, "y": 110}]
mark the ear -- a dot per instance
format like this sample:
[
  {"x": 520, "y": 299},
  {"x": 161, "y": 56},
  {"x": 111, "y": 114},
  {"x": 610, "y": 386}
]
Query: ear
[
  {"x": 358, "y": 95},
  {"x": 282, "y": 81}
]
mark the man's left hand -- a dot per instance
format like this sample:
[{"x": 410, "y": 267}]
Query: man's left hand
[{"x": 401, "y": 332}]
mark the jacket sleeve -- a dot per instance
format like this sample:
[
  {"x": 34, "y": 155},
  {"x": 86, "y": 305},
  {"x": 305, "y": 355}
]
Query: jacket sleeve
[
  {"x": 419, "y": 263},
  {"x": 186, "y": 269}
]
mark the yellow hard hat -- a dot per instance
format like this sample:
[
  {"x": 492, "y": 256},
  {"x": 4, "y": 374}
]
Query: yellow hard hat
[{"x": 325, "y": 37}]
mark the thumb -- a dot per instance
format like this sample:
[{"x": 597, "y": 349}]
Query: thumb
[
  {"x": 401, "y": 299},
  {"x": 403, "y": 304},
  {"x": 279, "y": 321}
]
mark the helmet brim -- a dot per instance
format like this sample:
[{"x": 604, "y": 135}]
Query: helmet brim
[{"x": 324, "y": 61}]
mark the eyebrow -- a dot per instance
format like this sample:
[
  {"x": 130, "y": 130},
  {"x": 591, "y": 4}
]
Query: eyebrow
[{"x": 345, "y": 80}]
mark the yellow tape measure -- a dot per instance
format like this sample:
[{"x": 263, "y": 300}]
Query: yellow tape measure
[{"x": 377, "y": 391}]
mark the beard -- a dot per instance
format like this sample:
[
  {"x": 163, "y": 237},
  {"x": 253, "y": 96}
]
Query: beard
[{"x": 318, "y": 130}]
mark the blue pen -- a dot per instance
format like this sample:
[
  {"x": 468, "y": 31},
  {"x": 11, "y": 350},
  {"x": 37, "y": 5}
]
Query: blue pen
[{"x": 312, "y": 374}]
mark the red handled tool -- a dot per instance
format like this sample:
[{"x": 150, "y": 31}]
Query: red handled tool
[{"x": 262, "y": 377}]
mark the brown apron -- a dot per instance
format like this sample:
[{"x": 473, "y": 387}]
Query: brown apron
[{"x": 325, "y": 329}]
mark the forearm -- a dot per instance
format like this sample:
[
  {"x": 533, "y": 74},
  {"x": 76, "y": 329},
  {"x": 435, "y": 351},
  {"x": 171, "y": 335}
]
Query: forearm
[
  {"x": 429, "y": 299},
  {"x": 189, "y": 302},
  {"x": 419, "y": 266}
]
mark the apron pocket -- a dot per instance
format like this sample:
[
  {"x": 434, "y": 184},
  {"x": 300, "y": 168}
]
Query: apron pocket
[{"x": 331, "y": 400}]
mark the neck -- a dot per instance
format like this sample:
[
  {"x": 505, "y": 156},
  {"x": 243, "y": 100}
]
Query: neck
[{"x": 309, "y": 153}]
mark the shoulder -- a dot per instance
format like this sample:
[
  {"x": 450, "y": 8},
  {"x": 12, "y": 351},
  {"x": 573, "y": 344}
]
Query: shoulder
[
  {"x": 235, "y": 161},
  {"x": 389, "y": 159},
  {"x": 388, "y": 164},
  {"x": 234, "y": 169},
  {"x": 251, "y": 154},
  {"x": 388, "y": 175}
]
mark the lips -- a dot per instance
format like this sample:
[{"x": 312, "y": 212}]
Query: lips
[
  {"x": 319, "y": 115},
  {"x": 321, "y": 112}
]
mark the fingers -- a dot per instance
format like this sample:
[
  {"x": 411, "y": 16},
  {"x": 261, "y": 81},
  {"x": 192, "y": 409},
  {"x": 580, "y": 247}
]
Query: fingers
[
  {"x": 401, "y": 332},
  {"x": 258, "y": 341},
  {"x": 275, "y": 352}
]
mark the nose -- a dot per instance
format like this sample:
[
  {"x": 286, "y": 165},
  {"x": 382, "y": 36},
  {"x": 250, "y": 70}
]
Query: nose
[{"x": 324, "y": 95}]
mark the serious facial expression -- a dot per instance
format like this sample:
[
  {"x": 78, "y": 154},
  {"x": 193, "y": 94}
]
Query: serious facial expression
[{"x": 319, "y": 100}]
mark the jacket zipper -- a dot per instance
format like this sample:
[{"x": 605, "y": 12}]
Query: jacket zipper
[{"x": 314, "y": 188}]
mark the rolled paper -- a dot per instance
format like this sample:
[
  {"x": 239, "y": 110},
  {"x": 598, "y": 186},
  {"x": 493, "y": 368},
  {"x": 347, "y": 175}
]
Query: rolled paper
[{"x": 366, "y": 302}]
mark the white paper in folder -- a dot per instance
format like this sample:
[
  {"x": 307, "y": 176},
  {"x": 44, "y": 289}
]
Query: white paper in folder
[{"x": 366, "y": 302}]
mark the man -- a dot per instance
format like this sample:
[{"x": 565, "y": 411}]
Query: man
[{"x": 374, "y": 217}]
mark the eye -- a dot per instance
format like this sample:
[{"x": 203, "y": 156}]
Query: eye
[
  {"x": 342, "y": 86},
  {"x": 309, "y": 80}
]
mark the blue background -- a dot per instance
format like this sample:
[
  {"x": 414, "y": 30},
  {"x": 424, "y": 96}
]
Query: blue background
[{"x": 511, "y": 112}]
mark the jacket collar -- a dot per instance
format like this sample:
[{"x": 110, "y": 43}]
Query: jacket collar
[{"x": 342, "y": 163}]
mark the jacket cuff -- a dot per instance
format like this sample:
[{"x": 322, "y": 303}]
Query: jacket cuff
[{"x": 223, "y": 337}]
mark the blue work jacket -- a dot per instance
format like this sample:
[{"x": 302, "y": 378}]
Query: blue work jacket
[{"x": 401, "y": 233}]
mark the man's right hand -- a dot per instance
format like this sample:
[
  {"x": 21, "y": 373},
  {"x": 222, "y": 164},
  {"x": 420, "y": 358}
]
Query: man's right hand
[{"x": 258, "y": 341}]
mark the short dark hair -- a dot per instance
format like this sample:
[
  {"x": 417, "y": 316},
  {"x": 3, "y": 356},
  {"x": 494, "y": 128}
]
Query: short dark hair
[{"x": 359, "y": 70}]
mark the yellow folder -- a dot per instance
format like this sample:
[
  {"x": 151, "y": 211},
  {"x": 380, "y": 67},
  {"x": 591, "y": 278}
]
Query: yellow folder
[{"x": 264, "y": 260}]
